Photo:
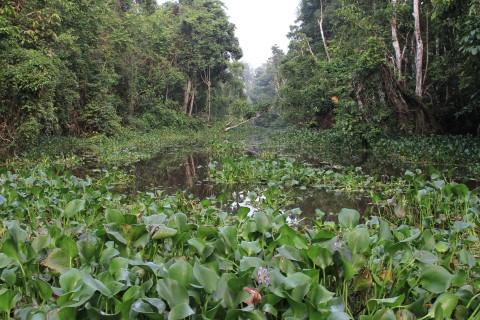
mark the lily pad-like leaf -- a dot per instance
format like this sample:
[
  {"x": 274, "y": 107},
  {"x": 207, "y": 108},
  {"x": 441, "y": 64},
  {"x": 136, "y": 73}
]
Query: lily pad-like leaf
[
  {"x": 289, "y": 253},
  {"x": 58, "y": 260},
  {"x": 8, "y": 299},
  {"x": 320, "y": 295},
  {"x": 163, "y": 232},
  {"x": 348, "y": 218},
  {"x": 95, "y": 284},
  {"x": 172, "y": 291},
  {"x": 251, "y": 248},
  {"x": 181, "y": 271},
  {"x": 296, "y": 279},
  {"x": 448, "y": 303},
  {"x": 114, "y": 216},
  {"x": 73, "y": 207},
  {"x": 206, "y": 277},
  {"x": 358, "y": 240},
  {"x": 321, "y": 257},
  {"x": 70, "y": 280},
  {"x": 229, "y": 235},
  {"x": 436, "y": 279}
]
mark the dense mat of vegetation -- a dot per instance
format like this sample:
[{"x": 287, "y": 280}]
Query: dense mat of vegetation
[{"x": 75, "y": 247}]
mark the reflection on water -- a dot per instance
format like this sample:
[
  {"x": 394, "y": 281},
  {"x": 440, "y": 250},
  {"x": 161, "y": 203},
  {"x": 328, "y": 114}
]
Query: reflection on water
[
  {"x": 174, "y": 171},
  {"x": 178, "y": 171}
]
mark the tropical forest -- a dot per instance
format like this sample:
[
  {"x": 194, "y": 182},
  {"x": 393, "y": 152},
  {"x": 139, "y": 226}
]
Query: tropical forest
[{"x": 148, "y": 172}]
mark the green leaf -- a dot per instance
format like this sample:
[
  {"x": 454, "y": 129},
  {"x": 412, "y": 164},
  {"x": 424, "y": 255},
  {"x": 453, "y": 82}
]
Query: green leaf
[
  {"x": 44, "y": 289},
  {"x": 95, "y": 284},
  {"x": 358, "y": 240},
  {"x": 73, "y": 207},
  {"x": 263, "y": 221},
  {"x": 172, "y": 291},
  {"x": 448, "y": 303},
  {"x": 251, "y": 248},
  {"x": 9, "y": 277},
  {"x": 296, "y": 279},
  {"x": 8, "y": 299},
  {"x": 436, "y": 279},
  {"x": 114, "y": 216},
  {"x": 58, "y": 260},
  {"x": 181, "y": 271},
  {"x": 320, "y": 295},
  {"x": 386, "y": 302},
  {"x": 289, "y": 253},
  {"x": 229, "y": 235},
  {"x": 243, "y": 212},
  {"x": 466, "y": 258},
  {"x": 180, "y": 311},
  {"x": 70, "y": 280},
  {"x": 384, "y": 314},
  {"x": 349, "y": 218},
  {"x": 320, "y": 256},
  {"x": 206, "y": 277},
  {"x": 163, "y": 232}
]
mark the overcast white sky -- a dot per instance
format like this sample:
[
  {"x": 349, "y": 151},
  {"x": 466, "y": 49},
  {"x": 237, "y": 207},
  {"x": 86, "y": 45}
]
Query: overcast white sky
[{"x": 260, "y": 25}]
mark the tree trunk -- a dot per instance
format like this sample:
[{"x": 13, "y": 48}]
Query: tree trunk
[
  {"x": 186, "y": 96},
  {"x": 320, "y": 23},
  {"x": 395, "y": 41},
  {"x": 419, "y": 53},
  {"x": 192, "y": 100}
]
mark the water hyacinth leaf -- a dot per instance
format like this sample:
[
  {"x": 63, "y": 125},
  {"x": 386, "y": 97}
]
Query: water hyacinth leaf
[
  {"x": 320, "y": 295},
  {"x": 321, "y": 257},
  {"x": 447, "y": 302},
  {"x": 386, "y": 302},
  {"x": 251, "y": 262},
  {"x": 163, "y": 232},
  {"x": 460, "y": 225},
  {"x": 5, "y": 261},
  {"x": 296, "y": 279},
  {"x": 229, "y": 236},
  {"x": 2, "y": 200},
  {"x": 384, "y": 314},
  {"x": 181, "y": 271},
  {"x": 95, "y": 284},
  {"x": 243, "y": 212},
  {"x": 180, "y": 311},
  {"x": 17, "y": 234},
  {"x": 73, "y": 207},
  {"x": 67, "y": 313},
  {"x": 114, "y": 216},
  {"x": 206, "y": 277},
  {"x": 385, "y": 233},
  {"x": 70, "y": 280},
  {"x": 223, "y": 293},
  {"x": 58, "y": 260},
  {"x": 298, "y": 239},
  {"x": 9, "y": 248},
  {"x": 263, "y": 221},
  {"x": 289, "y": 253},
  {"x": 467, "y": 259},
  {"x": 436, "y": 279},
  {"x": 404, "y": 314},
  {"x": 172, "y": 291},
  {"x": 8, "y": 299},
  {"x": 348, "y": 271},
  {"x": 178, "y": 221},
  {"x": 358, "y": 240},
  {"x": 348, "y": 218},
  {"x": 9, "y": 277},
  {"x": 41, "y": 242},
  {"x": 251, "y": 248},
  {"x": 426, "y": 257},
  {"x": 44, "y": 289}
]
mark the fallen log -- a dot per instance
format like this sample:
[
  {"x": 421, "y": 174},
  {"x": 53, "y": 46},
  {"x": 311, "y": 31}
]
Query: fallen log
[{"x": 243, "y": 122}]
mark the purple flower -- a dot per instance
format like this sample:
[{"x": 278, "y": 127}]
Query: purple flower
[{"x": 263, "y": 276}]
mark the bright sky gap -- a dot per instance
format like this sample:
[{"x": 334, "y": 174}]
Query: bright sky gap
[{"x": 260, "y": 24}]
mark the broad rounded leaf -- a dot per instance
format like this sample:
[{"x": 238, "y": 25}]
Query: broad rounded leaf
[
  {"x": 349, "y": 218},
  {"x": 73, "y": 207},
  {"x": 436, "y": 279}
]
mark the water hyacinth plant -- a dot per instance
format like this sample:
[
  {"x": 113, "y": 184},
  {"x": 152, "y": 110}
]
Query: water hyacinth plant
[{"x": 73, "y": 248}]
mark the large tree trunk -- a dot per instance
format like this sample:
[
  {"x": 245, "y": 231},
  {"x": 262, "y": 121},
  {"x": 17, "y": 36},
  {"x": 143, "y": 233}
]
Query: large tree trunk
[
  {"x": 419, "y": 53},
  {"x": 324, "y": 40},
  {"x": 408, "y": 106},
  {"x": 395, "y": 41},
  {"x": 186, "y": 95}
]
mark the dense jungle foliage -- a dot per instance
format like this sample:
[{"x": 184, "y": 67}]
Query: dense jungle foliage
[
  {"x": 379, "y": 67},
  {"x": 83, "y": 67}
]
